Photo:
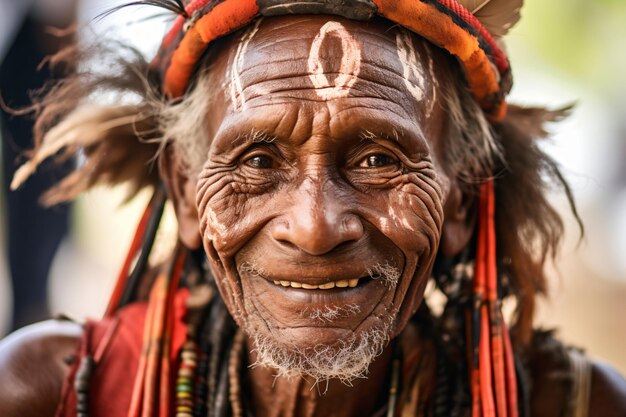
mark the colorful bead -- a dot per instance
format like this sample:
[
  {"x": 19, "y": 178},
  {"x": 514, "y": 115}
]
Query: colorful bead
[
  {"x": 190, "y": 364},
  {"x": 184, "y": 402},
  {"x": 183, "y": 409},
  {"x": 183, "y": 388}
]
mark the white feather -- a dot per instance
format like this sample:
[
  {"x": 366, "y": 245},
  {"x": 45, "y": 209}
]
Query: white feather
[{"x": 83, "y": 127}]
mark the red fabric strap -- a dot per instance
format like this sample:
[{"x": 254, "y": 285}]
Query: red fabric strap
[{"x": 112, "y": 380}]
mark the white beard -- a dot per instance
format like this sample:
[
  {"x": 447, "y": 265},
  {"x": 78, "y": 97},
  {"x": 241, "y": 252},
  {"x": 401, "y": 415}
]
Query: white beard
[{"x": 345, "y": 361}]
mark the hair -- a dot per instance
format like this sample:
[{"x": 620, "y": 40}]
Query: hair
[
  {"x": 529, "y": 229},
  {"x": 120, "y": 142}
]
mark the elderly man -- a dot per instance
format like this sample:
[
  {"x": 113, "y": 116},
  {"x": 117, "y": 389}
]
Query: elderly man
[{"x": 325, "y": 159}]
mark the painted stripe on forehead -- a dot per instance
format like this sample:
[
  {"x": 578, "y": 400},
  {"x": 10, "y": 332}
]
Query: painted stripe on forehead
[
  {"x": 236, "y": 88},
  {"x": 412, "y": 70},
  {"x": 349, "y": 68},
  {"x": 433, "y": 79}
]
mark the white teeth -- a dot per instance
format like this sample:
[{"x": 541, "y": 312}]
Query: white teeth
[{"x": 329, "y": 285}]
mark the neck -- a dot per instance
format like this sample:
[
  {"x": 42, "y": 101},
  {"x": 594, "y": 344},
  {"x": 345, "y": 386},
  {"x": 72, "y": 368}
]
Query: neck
[{"x": 300, "y": 397}]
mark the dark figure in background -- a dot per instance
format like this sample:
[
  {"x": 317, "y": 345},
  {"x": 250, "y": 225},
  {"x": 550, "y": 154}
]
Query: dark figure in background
[{"x": 33, "y": 233}]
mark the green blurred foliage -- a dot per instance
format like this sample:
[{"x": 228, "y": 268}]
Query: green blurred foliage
[{"x": 585, "y": 40}]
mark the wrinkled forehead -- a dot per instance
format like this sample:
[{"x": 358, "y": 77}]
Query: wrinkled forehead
[{"x": 328, "y": 58}]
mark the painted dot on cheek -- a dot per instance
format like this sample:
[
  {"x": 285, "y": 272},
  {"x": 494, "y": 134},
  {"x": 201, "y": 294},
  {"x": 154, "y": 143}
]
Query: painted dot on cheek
[{"x": 214, "y": 223}]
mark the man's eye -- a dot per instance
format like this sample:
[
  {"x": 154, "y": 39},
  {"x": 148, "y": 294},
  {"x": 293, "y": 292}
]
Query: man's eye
[
  {"x": 378, "y": 160},
  {"x": 260, "y": 162}
]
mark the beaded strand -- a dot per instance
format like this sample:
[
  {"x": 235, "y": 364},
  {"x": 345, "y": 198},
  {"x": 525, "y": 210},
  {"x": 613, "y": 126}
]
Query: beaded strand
[
  {"x": 191, "y": 384},
  {"x": 185, "y": 400}
]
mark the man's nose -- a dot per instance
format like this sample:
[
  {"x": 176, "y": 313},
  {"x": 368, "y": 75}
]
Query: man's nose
[{"x": 319, "y": 220}]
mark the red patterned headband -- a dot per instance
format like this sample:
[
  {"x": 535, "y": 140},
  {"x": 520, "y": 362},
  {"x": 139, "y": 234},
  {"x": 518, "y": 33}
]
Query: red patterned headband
[{"x": 446, "y": 23}]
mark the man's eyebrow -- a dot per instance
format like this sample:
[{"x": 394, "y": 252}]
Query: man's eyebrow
[
  {"x": 253, "y": 136},
  {"x": 405, "y": 140},
  {"x": 394, "y": 135}
]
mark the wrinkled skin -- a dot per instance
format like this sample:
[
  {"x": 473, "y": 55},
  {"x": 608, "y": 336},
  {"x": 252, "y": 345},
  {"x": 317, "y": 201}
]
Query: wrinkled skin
[{"x": 343, "y": 173}]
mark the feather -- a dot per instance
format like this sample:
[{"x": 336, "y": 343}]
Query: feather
[
  {"x": 498, "y": 16},
  {"x": 174, "y": 6},
  {"x": 112, "y": 139}
]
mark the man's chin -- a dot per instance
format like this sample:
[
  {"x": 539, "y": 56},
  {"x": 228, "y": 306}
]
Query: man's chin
[{"x": 344, "y": 359}]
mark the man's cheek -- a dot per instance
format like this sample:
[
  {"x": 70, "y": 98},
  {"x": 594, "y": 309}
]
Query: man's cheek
[
  {"x": 428, "y": 193},
  {"x": 222, "y": 211},
  {"x": 418, "y": 238},
  {"x": 413, "y": 218}
]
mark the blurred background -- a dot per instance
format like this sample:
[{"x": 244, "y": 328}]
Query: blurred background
[{"x": 562, "y": 52}]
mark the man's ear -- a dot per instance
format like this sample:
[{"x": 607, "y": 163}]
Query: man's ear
[
  {"x": 459, "y": 221},
  {"x": 182, "y": 192}
]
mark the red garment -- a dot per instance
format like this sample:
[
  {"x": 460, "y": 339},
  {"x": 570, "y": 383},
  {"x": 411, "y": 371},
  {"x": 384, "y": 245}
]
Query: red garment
[{"x": 118, "y": 340}]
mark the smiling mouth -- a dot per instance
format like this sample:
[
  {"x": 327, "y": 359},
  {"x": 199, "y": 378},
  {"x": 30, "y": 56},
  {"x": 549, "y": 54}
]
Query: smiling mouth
[{"x": 346, "y": 283}]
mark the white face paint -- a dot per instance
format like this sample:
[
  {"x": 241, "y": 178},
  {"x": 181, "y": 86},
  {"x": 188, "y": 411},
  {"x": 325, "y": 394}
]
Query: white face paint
[
  {"x": 349, "y": 69},
  {"x": 214, "y": 225},
  {"x": 413, "y": 72},
  {"x": 237, "y": 96},
  {"x": 434, "y": 84}
]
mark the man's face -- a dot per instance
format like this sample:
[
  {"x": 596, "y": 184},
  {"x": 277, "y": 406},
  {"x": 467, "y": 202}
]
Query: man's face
[{"x": 321, "y": 201}]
